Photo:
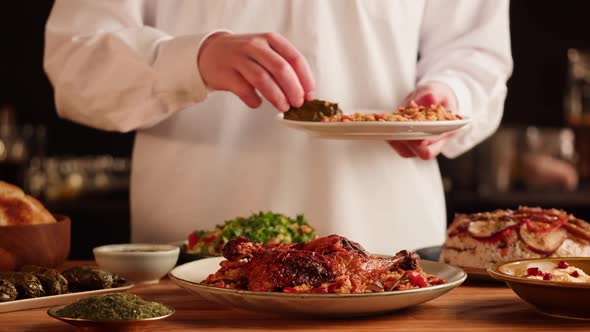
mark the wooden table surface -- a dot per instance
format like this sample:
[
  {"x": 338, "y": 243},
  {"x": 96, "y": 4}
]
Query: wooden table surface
[{"x": 470, "y": 307}]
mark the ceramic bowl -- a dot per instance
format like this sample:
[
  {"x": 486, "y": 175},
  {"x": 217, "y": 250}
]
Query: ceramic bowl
[
  {"x": 190, "y": 275},
  {"x": 38, "y": 244},
  {"x": 563, "y": 299},
  {"x": 140, "y": 263}
]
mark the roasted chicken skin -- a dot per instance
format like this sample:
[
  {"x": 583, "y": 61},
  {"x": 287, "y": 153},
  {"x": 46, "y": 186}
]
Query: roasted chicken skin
[{"x": 332, "y": 264}]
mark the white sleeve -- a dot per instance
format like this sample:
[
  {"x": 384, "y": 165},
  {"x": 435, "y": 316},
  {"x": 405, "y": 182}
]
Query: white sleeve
[
  {"x": 466, "y": 45},
  {"x": 112, "y": 72}
]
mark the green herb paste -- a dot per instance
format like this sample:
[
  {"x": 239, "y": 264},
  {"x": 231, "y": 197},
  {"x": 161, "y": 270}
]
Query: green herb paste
[{"x": 114, "y": 306}]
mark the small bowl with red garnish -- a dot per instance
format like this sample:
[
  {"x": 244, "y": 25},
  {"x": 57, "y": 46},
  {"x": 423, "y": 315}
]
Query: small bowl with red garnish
[{"x": 555, "y": 286}]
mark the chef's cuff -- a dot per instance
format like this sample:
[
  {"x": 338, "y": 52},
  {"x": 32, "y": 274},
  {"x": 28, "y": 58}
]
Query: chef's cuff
[{"x": 179, "y": 81}]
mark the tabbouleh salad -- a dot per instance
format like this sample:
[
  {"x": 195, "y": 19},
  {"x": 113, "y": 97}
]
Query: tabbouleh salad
[{"x": 265, "y": 227}]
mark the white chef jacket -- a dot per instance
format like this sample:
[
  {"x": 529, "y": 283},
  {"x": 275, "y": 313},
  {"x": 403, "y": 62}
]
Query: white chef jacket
[{"x": 202, "y": 157}]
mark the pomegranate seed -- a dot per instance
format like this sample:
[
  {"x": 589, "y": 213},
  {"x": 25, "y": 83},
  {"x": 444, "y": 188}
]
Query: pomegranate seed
[
  {"x": 192, "y": 240},
  {"x": 575, "y": 274},
  {"x": 416, "y": 279},
  {"x": 562, "y": 265},
  {"x": 534, "y": 271},
  {"x": 209, "y": 238},
  {"x": 547, "y": 276}
]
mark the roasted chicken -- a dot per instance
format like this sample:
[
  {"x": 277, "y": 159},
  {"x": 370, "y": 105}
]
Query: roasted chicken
[{"x": 331, "y": 264}]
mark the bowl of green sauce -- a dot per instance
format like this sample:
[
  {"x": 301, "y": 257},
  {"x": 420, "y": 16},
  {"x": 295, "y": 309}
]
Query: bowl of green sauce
[
  {"x": 111, "y": 312},
  {"x": 140, "y": 263}
]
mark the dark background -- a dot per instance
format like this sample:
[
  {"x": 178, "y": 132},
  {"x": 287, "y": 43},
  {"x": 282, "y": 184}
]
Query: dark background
[
  {"x": 542, "y": 32},
  {"x": 24, "y": 84}
]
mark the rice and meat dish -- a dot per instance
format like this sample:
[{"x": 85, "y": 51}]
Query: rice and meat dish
[{"x": 331, "y": 264}]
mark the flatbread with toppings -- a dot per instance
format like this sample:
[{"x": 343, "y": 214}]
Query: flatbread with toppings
[{"x": 480, "y": 240}]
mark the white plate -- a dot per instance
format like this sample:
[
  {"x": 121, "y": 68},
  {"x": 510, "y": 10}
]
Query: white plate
[
  {"x": 474, "y": 274},
  {"x": 392, "y": 131},
  {"x": 55, "y": 300},
  {"x": 190, "y": 275}
]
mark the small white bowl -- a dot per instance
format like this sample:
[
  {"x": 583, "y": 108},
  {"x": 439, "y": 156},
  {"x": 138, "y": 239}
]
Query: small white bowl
[{"x": 138, "y": 262}]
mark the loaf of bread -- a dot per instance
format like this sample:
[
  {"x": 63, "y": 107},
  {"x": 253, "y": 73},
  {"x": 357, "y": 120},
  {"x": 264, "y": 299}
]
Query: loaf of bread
[
  {"x": 17, "y": 208},
  {"x": 481, "y": 240}
]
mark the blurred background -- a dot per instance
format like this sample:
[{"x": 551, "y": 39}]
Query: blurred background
[{"x": 540, "y": 155}]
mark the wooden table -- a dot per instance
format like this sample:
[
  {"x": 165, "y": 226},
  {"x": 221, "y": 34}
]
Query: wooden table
[{"x": 471, "y": 307}]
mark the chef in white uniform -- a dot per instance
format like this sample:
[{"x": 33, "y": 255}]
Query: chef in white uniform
[{"x": 202, "y": 155}]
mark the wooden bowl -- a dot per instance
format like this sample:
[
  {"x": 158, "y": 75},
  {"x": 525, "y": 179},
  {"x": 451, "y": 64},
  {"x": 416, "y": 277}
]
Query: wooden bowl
[{"x": 42, "y": 244}]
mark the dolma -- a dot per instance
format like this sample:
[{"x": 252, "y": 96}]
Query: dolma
[
  {"x": 27, "y": 285},
  {"x": 7, "y": 291},
  {"x": 53, "y": 282},
  {"x": 118, "y": 281},
  {"x": 313, "y": 110},
  {"x": 83, "y": 278}
]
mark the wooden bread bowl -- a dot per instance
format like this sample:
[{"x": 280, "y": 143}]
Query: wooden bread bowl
[{"x": 37, "y": 244}]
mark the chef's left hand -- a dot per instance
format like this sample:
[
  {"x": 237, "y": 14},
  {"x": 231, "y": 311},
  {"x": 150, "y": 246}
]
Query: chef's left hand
[{"x": 426, "y": 95}]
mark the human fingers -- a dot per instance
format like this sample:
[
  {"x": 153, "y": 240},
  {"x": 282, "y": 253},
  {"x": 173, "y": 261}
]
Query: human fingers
[
  {"x": 297, "y": 61},
  {"x": 444, "y": 136},
  {"x": 426, "y": 151},
  {"x": 432, "y": 93},
  {"x": 282, "y": 72},
  {"x": 428, "y": 99},
  {"x": 244, "y": 90},
  {"x": 259, "y": 78},
  {"x": 402, "y": 149}
]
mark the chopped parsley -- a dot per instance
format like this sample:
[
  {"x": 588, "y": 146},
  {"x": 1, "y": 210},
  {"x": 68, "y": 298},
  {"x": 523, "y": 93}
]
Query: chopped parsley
[{"x": 264, "y": 227}]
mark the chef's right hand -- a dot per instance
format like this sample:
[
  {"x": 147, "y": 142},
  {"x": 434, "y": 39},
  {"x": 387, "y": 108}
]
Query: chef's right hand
[{"x": 246, "y": 63}]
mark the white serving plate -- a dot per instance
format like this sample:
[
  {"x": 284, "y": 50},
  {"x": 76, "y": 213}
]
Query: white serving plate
[
  {"x": 190, "y": 275},
  {"x": 391, "y": 131},
  {"x": 55, "y": 300}
]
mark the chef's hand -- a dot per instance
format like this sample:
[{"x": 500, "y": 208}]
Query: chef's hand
[
  {"x": 426, "y": 95},
  {"x": 246, "y": 63}
]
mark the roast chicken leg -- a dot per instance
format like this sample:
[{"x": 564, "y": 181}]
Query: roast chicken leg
[{"x": 329, "y": 264}]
